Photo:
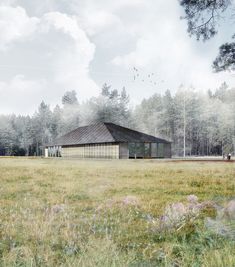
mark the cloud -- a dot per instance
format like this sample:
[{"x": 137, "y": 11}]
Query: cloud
[
  {"x": 71, "y": 58},
  {"x": 51, "y": 46},
  {"x": 15, "y": 25},
  {"x": 97, "y": 17},
  {"x": 54, "y": 55},
  {"x": 7, "y": 2},
  {"x": 19, "y": 92},
  {"x": 163, "y": 46},
  {"x": 96, "y": 21},
  {"x": 161, "y": 38}
]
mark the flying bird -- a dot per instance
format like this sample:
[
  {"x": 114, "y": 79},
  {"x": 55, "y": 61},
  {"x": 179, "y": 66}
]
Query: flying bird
[{"x": 148, "y": 77}]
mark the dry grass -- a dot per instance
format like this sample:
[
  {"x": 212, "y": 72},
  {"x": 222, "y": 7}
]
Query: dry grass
[{"x": 58, "y": 212}]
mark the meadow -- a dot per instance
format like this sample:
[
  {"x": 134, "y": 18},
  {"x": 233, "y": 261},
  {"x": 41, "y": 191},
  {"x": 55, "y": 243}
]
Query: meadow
[{"x": 56, "y": 212}]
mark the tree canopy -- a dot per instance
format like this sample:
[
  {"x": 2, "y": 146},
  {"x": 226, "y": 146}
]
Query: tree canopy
[
  {"x": 203, "y": 21},
  {"x": 204, "y": 120}
]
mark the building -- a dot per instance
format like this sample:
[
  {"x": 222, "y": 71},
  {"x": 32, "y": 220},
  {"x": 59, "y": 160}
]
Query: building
[{"x": 108, "y": 140}]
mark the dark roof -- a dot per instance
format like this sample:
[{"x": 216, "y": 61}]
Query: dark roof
[{"x": 104, "y": 133}]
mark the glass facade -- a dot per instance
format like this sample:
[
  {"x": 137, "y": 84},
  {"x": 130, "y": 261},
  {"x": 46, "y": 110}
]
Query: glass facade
[
  {"x": 146, "y": 150},
  {"x": 160, "y": 150},
  {"x": 139, "y": 150}
]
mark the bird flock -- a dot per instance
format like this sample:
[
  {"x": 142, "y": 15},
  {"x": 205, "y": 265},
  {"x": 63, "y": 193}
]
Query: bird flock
[{"x": 149, "y": 78}]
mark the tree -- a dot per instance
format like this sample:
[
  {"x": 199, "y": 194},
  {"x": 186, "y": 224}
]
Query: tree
[
  {"x": 226, "y": 58},
  {"x": 169, "y": 114},
  {"x": 124, "y": 110},
  {"x": 41, "y": 127},
  {"x": 70, "y": 98},
  {"x": 7, "y": 135},
  {"x": 56, "y": 123},
  {"x": 203, "y": 17},
  {"x": 220, "y": 93},
  {"x": 105, "y": 91},
  {"x": 109, "y": 106},
  {"x": 70, "y": 117},
  {"x": 147, "y": 115}
]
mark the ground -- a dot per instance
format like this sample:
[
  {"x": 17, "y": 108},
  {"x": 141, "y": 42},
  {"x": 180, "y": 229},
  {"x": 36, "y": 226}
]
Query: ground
[{"x": 57, "y": 212}]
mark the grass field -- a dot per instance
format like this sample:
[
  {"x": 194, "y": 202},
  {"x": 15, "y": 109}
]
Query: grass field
[{"x": 103, "y": 213}]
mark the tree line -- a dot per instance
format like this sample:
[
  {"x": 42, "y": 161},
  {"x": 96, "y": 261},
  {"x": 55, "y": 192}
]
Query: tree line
[{"x": 197, "y": 123}]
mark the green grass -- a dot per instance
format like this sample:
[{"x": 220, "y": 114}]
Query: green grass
[{"x": 58, "y": 212}]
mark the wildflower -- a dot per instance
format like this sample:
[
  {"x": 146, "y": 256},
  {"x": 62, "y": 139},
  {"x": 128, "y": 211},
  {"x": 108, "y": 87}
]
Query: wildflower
[
  {"x": 223, "y": 228},
  {"x": 178, "y": 215},
  {"x": 130, "y": 200},
  {"x": 224, "y": 223},
  {"x": 58, "y": 208},
  {"x": 149, "y": 218},
  {"x": 176, "y": 211},
  {"x": 230, "y": 210},
  {"x": 192, "y": 199}
]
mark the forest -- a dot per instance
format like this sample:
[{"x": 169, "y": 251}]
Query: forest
[{"x": 205, "y": 121}]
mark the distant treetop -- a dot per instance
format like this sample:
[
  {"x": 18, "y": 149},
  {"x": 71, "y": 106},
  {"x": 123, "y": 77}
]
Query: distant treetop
[{"x": 203, "y": 17}]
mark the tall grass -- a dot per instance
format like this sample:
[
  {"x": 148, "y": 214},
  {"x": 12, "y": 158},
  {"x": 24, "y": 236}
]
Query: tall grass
[{"x": 101, "y": 213}]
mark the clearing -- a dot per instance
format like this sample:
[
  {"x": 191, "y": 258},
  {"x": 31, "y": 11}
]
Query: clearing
[{"x": 57, "y": 212}]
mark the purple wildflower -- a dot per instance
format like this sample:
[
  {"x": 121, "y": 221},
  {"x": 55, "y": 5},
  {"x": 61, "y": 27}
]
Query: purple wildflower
[
  {"x": 230, "y": 210},
  {"x": 192, "y": 199},
  {"x": 130, "y": 200}
]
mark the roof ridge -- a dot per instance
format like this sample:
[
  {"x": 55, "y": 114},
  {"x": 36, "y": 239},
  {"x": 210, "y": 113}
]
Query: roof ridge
[
  {"x": 141, "y": 133},
  {"x": 105, "y": 124},
  {"x": 105, "y": 132},
  {"x": 120, "y": 126},
  {"x": 83, "y": 126}
]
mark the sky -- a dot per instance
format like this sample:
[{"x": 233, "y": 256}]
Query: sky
[{"x": 49, "y": 47}]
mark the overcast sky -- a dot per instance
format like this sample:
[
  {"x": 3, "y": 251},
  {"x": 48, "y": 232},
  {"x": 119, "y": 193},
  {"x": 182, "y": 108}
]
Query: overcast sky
[{"x": 51, "y": 46}]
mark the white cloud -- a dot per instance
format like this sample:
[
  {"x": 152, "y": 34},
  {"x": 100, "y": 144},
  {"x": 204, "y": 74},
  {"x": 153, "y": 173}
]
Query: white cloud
[
  {"x": 18, "y": 94},
  {"x": 164, "y": 46},
  {"x": 54, "y": 56},
  {"x": 15, "y": 25},
  {"x": 71, "y": 60},
  {"x": 101, "y": 16},
  {"x": 55, "y": 44},
  {"x": 96, "y": 21},
  {"x": 7, "y": 2}
]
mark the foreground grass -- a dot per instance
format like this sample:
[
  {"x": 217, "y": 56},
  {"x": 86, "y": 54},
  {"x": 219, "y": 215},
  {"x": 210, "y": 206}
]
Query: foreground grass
[{"x": 73, "y": 213}]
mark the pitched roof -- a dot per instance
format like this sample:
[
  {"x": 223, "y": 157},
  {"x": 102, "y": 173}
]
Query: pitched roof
[{"x": 104, "y": 132}]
